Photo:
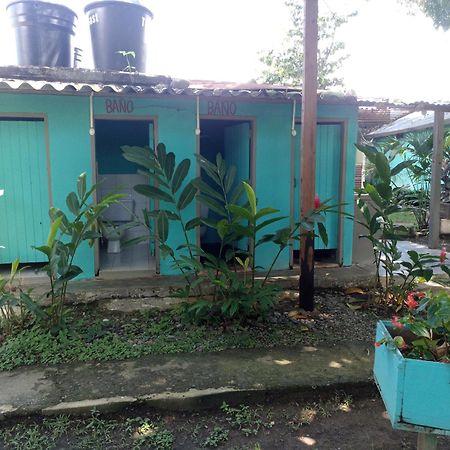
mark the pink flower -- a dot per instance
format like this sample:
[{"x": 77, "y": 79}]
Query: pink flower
[
  {"x": 411, "y": 302},
  {"x": 443, "y": 255},
  {"x": 316, "y": 202},
  {"x": 395, "y": 323},
  {"x": 378, "y": 344}
]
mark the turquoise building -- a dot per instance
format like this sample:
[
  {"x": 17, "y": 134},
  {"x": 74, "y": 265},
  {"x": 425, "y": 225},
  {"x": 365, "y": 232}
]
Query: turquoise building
[{"x": 57, "y": 123}]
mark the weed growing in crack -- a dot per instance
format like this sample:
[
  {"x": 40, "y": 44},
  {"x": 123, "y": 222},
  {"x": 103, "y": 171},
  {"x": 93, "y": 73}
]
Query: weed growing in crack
[
  {"x": 216, "y": 437},
  {"x": 248, "y": 420}
]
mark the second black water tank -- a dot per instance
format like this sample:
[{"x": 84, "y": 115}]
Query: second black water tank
[{"x": 117, "y": 27}]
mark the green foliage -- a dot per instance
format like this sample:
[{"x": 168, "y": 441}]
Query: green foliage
[
  {"x": 246, "y": 419},
  {"x": 64, "y": 239},
  {"x": 424, "y": 330},
  {"x": 417, "y": 151},
  {"x": 136, "y": 336},
  {"x": 437, "y": 10},
  {"x": 240, "y": 226},
  {"x": 379, "y": 226},
  {"x": 128, "y": 55},
  {"x": 15, "y": 303},
  {"x": 168, "y": 179},
  {"x": 216, "y": 437},
  {"x": 377, "y": 219},
  {"x": 286, "y": 67}
]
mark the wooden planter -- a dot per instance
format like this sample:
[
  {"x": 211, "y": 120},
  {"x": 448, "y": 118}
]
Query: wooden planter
[{"x": 416, "y": 393}]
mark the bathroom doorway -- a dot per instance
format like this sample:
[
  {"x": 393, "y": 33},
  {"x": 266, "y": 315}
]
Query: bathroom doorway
[
  {"x": 115, "y": 173},
  {"x": 233, "y": 138}
]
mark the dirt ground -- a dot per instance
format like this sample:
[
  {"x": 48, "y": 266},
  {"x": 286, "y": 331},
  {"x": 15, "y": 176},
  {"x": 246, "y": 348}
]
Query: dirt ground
[{"x": 336, "y": 423}]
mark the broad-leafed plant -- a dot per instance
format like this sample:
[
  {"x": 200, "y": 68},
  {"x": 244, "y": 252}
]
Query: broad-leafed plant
[
  {"x": 67, "y": 233},
  {"x": 16, "y": 303},
  {"x": 167, "y": 186},
  {"x": 224, "y": 284}
]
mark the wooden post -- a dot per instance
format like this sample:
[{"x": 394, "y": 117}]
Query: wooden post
[
  {"x": 426, "y": 441},
  {"x": 308, "y": 150},
  {"x": 436, "y": 175}
]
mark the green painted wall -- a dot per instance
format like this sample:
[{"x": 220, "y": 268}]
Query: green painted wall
[{"x": 70, "y": 149}]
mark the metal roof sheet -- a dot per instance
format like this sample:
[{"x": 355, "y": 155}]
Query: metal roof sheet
[
  {"x": 81, "y": 81},
  {"x": 253, "y": 91},
  {"x": 419, "y": 105},
  {"x": 412, "y": 122}
]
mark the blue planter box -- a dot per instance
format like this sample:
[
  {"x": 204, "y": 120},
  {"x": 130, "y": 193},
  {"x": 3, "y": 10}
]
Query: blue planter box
[{"x": 416, "y": 393}]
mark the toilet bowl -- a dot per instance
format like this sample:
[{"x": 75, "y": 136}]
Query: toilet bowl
[
  {"x": 113, "y": 234},
  {"x": 117, "y": 218}
]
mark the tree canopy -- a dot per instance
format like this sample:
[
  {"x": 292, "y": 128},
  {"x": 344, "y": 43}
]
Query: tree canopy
[
  {"x": 286, "y": 66},
  {"x": 438, "y": 10}
]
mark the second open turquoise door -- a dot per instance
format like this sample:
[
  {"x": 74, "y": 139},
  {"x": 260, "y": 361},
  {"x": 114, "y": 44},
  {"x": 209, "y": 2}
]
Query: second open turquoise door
[{"x": 328, "y": 168}]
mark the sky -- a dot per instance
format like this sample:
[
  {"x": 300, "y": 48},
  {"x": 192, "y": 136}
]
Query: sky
[{"x": 393, "y": 55}]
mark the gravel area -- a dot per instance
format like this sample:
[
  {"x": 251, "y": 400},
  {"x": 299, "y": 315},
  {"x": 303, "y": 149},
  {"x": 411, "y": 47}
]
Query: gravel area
[{"x": 337, "y": 317}]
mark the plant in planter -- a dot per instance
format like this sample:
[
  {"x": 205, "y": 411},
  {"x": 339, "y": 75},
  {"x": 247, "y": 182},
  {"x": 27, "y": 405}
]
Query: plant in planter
[{"x": 412, "y": 367}]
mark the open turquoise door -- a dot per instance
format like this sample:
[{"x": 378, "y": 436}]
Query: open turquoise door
[
  {"x": 152, "y": 144},
  {"x": 328, "y": 168},
  {"x": 24, "y": 220},
  {"x": 237, "y": 151}
]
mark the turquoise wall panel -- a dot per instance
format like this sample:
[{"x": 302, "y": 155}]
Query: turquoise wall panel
[
  {"x": 175, "y": 122},
  {"x": 69, "y": 146}
]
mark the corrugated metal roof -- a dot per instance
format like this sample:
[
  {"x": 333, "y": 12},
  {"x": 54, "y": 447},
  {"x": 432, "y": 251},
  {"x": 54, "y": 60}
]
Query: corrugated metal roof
[
  {"x": 207, "y": 90},
  {"x": 419, "y": 105},
  {"x": 412, "y": 122},
  {"x": 81, "y": 81}
]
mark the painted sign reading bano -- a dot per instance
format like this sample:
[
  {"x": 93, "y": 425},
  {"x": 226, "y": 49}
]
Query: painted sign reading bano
[
  {"x": 221, "y": 108},
  {"x": 119, "y": 106}
]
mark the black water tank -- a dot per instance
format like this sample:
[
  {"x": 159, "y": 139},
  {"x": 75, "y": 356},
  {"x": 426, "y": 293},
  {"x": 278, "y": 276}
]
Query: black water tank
[
  {"x": 44, "y": 33},
  {"x": 119, "y": 26}
]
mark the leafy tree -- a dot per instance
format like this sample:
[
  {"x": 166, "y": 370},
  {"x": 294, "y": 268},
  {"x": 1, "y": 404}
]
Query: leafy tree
[
  {"x": 286, "y": 66},
  {"x": 438, "y": 10}
]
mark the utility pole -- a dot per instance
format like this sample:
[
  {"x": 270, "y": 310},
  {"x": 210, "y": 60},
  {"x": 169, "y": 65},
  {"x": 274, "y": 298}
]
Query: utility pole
[
  {"x": 308, "y": 150},
  {"x": 436, "y": 175}
]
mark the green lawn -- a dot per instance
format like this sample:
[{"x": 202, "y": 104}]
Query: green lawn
[{"x": 406, "y": 219}]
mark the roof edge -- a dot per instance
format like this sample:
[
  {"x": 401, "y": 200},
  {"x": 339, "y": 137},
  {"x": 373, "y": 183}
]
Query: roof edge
[{"x": 76, "y": 75}]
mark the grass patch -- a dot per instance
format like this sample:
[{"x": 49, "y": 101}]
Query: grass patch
[
  {"x": 93, "y": 433},
  {"x": 406, "y": 219},
  {"x": 120, "y": 338}
]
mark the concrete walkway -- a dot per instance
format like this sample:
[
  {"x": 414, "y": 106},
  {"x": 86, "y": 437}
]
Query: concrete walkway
[{"x": 183, "y": 381}]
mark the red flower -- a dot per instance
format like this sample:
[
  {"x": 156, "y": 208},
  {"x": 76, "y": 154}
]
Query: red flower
[
  {"x": 411, "y": 302},
  {"x": 316, "y": 202},
  {"x": 378, "y": 344},
  {"x": 395, "y": 323},
  {"x": 443, "y": 255},
  {"x": 445, "y": 360}
]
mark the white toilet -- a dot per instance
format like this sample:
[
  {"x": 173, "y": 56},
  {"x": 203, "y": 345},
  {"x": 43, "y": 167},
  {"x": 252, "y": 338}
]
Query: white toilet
[{"x": 115, "y": 219}]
